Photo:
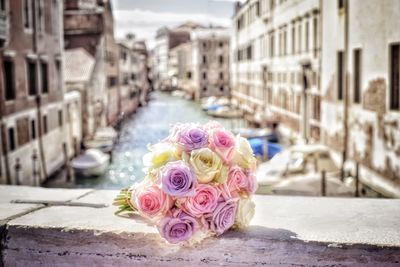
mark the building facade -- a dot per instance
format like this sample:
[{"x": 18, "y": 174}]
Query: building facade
[
  {"x": 360, "y": 115},
  {"x": 84, "y": 28},
  {"x": 32, "y": 114},
  {"x": 275, "y": 54},
  {"x": 202, "y": 65},
  {"x": 166, "y": 40},
  {"x": 133, "y": 71}
]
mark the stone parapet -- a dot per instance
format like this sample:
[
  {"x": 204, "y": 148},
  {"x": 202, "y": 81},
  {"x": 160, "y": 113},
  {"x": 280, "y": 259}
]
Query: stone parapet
[{"x": 66, "y": 227}]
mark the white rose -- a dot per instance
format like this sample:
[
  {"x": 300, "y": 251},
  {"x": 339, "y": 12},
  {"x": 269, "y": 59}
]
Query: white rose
[
  {"x": 243, "y": 154},
  {"x": 159, "y": 155},
  {"x": 244, "y": 213},
  {"x": 206, "y": 165}
]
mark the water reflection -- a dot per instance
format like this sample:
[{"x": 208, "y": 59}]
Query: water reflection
[{"x": 148, "y": 126}]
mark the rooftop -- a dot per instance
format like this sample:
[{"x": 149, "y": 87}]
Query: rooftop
[{"x": 79, "y": 65}]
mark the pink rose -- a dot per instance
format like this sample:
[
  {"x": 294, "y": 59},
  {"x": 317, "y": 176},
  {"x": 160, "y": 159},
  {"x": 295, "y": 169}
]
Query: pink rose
[
  {"x": 223, "y": 143},
  {"x": 212, "y": 125},
  {"x": 204, "y": 201},
  {"x": 151, "y": 201},
  {"x": 241, "y": 181}
]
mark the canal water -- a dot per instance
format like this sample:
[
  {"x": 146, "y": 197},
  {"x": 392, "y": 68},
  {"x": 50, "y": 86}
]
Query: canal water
[{"x": 149, "y": 125}]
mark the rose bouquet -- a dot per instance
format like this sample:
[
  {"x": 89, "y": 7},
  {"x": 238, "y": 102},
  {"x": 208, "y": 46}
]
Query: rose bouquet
[{"x": 199, "y": 182}]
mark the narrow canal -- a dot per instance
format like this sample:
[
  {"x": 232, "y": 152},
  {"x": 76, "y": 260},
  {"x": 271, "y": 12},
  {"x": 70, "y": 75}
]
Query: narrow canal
[{"x": 149, "y": 125}]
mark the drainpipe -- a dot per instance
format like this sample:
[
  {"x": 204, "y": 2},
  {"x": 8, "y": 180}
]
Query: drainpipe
[
  {"x": 3, "y": 129},
  {"x": 346, "y": 87},
  {"x": 38, "y": 96}
]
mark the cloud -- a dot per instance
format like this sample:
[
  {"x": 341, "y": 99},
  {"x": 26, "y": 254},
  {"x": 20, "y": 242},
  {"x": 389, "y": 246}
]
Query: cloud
[{"x": 145, "y": 23}]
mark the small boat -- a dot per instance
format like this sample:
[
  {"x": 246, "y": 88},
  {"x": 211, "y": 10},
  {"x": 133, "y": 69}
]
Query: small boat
[
  {"x": 178, "y": 93},
  {"x": 104, "y": 139},
  {"x": 264, "y": 148},
  {"x": 294, "y": 161},
  {"x": 92, "y": 162},
  {"x": 213, "y": 103},
  {"x": 226, "y": 112},
  {"x": 252, "y": 132},
  {"x": 311, "y": 185}
]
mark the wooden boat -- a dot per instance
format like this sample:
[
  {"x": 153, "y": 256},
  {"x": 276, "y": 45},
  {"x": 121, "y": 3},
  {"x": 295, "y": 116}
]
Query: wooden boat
[
  {"x": 225, "y": 112},
  {"x": 299, "y": 160},
  {"x": 92, "y": 162},
  {"x": 311, "y": 185},
  {"x": 104, "y": 139}
]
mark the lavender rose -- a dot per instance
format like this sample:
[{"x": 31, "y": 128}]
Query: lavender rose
[
  {"x": 223, "y": 216},
  {"x": 178, "y": 228},
  {"x": 192, "y": 137},
  {"x": 177, "y": 179}
]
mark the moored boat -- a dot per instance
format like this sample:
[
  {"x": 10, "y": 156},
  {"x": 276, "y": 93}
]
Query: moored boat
[
  {"x": 225, "y": 112},
  {"x": 92, "y": 162}
]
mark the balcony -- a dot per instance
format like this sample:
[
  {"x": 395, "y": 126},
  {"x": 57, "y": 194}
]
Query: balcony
[
  {"x": 77, "y": 227},
  {"x": 3, "y": 26},
  {"x": 83, "y": 22}
]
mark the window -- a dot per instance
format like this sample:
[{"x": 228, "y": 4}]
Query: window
[
  {"x": 204, "y": 89},
  {"x": 45, "y": 78},
  {"x": 60, "y": 118},
  {"x": 204, "y": 59},
  {"x": 41, "y": 23},
  {"x": 8, "y": 73},
  {"x": 33, "y": 129},
  {"x": 189, "y": 75},
  {"x": 257, "y": 9},
  {"x": 357, "y": 75},
  {"x": 315, "y": 36},
  {"x": 27, "y": 6},
  {"x": 123, "y": 55},
  {"x": 204, "y": 75},
  {"x": 221, "y": 89},
  {"x": 395, "y": 76},
  {"x": 45, "y": 126},
  {"x": 11, "y": 139},
  {"x": 112, "y": 81},
  {"x": 293, "y": 39},
  {"x": 340, "y": 75},
  {"x": 58, "y": 74},
  {"x": 32, "y": 78},
  {"x": 299, "y": 47},
  {"x": 3, "y": 5},
  {"x": 204, "y": 45},
  {"x": 271, "y": 44},
  {"x": 341, "y": 4},
  {"x": 55, "y": 18},
  {"x": 221, "y": 59},
  {"x": 221, "y": 44},
  {"x": 307, "y": 36},
  {"x": 221, "y": 75},
  {"x": 133, "y": 76},
  {"x": 284, "y": 41},
  {"x": 249, "y": 52}
]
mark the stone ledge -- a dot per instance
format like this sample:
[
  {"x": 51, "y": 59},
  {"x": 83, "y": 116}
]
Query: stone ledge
[{"x": 286, "y": 231}]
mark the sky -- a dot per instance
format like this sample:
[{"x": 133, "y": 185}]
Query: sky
[{"x": 144, "y": 17}]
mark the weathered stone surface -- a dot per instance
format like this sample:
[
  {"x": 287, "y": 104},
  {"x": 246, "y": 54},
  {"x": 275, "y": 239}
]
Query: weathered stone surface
[
  {"x": 332, "y": 220},
  {"x": 105, "y": 197},
  {"x": 9, "y": 211},
  {"x": 286, "y": 231},
  {"x": 10, "y": 193}
]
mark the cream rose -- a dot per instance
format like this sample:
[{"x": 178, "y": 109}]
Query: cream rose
[
  {"x": 206, "y": 165},
  {"x": 244, "y": 213},
  {"x": 243, "y": 154},
  {"x": 159, "y": 155}
]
